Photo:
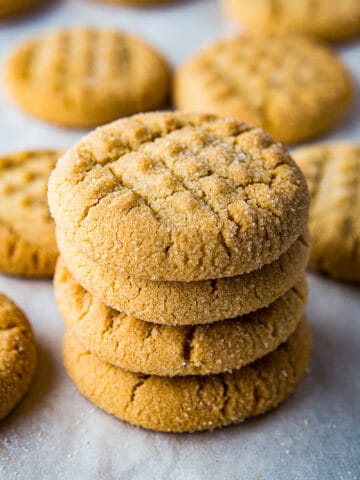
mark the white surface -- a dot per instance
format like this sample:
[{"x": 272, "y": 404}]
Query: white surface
[{"x": 57, "y": 434}]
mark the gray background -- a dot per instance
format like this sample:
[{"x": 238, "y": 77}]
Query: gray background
[{"x": 57, "y": 434}]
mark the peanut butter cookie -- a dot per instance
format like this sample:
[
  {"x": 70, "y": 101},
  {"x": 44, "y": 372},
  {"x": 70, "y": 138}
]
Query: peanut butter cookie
[
  {"x": 333, "y": 174},
  {"x": 186, "y": 303},
  {"x": 138, "y": 346},
  {"x": 173, "y": 196},
  {"x": 17, "y": 355},
  {"x": 291, "y": 87},
  {"x": 84, "y": 77},
  {"x": 327, "y": 19},
  {"x": 182, "y": 404},
  {"x": 27, "y": 233}
]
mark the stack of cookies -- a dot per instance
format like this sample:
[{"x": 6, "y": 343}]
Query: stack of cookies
[{"x": 183, "y": 246}]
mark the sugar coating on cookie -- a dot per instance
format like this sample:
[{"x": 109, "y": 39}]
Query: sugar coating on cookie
[
  {"x": 13, "y": 7},
  {"x": 177, "y": 196},
  {"x": 333, "y": 174},
  {"x": 27, "y": 233},
  {"x": 292, "y": 87},
  {"x": 188, "y": 303},
  {"x": 327, "y": 19},
  {"x": 17, "y": 355},
  {"x": 138, "y": 346},
  {"x": 182, "y": 404},
  {"x": 84, "y": 77}
]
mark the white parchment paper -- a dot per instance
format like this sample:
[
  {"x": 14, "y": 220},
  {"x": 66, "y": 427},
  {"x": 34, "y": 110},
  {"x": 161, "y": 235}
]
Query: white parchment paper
[{"x": 57, "y": 434}]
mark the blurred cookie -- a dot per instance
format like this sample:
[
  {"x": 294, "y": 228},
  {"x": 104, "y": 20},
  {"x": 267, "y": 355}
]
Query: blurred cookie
[
  {"x": 333, "y": 174},
  {"x": 186, "y": 303},
  {"x": 173, "y": 196},
  {"x": 83, "y": 77},
  {"x": 327, "y": 19},
  {"x": 27, "y": 233},
  {"x": 138, "y": 346},
  {"x": 14, "y": 7},
  {"x": 17, "y": 355},
  {"x": 181, "y": 404},
  {"x": 291, "y": 87}
]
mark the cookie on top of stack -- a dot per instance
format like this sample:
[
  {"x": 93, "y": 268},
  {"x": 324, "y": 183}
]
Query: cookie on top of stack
[{"x": 183, "y": 241}]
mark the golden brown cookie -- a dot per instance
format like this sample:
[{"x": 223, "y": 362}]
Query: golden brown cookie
[
  {"x": 138, "y": 346},
  {"x": 17, "y": 355},
  {"x": 333, "y": 174},
  {"x": 327, "y": 19},
  {"x": 291, "y": 87},
  {"x": 27, "y": 234},
  {"x": 83, "y": 77},
  {"x": 186, "y": 303},
  {"x": 181, "y": 404},
  {"x": 13, "y": 7},
  {"x": 173, "y": 196}
]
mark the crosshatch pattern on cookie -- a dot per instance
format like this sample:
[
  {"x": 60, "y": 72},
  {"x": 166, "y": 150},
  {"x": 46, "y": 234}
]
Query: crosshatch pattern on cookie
[
  {"x": 292, "y": 88},
  {"x": 333, "y": 174},
  {"x": 28, "y": 244},
  {"x": 196, "y": 197},
  {"x": 88, "y": 76}
]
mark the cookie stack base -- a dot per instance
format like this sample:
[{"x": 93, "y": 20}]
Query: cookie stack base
[{"x": 192, "y": 403}]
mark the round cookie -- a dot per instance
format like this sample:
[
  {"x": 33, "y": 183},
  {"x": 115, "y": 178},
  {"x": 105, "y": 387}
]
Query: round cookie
[
  {"x": 186, "y": 303},
  {"x": 84, "y": 77},
  {"x": 292, "y": 87},
  {"x": 181, "y": 404},
  {"x": 173, "y": 196},
  {"x": 327, "y": 19},
  {"x": 17, "y": 355},
  {"x": 333, "y": 174},
  {"x": 138, "y": 346},
  {"x": 27, "y": 233},
  {"x": 13, "y": 7}
]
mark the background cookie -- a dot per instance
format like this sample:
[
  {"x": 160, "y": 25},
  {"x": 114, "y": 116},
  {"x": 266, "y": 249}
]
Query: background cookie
[
  {"x": 291, "y": 87},
  {"x": 17, "y": 355},
  {"x": 326, "y": 19},
  {"x": 144, "y": 347},
  {"x": 181, "y": 404},
  {"x": 333, "y": 174},
  {"x": 27, "y": 234},
  {"x": 181, "y": 303},
  {"x": 179, "y": 197},
  {"x": 83, "y": 77},
  {"x": 12, "y": 7}
]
